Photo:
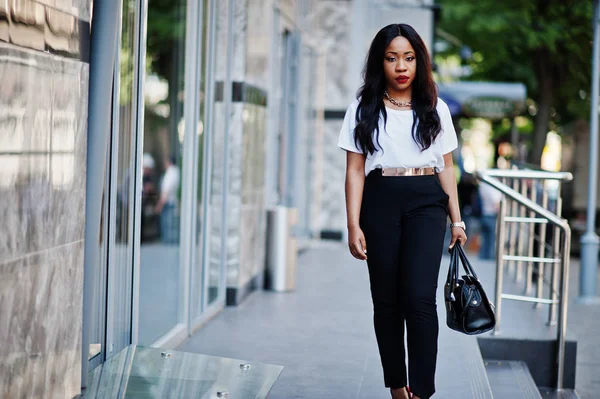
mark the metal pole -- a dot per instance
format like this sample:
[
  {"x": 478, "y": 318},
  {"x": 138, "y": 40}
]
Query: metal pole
[
  {"x": 500, "y": 245},
  {"x": 514, "y": 229},
  {"x": 521, "y": 232},
  {"x": 542, "y": 247},
  {"x": 556, "y": 247},
  {"x": 530, "y": 237},
  {"x": 561, "y": 333},
  {"x": 103, "y": 47},
  {"x": 590, "y": 241}
]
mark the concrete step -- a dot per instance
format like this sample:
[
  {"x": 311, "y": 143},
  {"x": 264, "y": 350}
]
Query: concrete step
[
  {"x": 548, "y": 393},
  {"x": 511, "y": 379},
  {"x": 524, "y": 334}
]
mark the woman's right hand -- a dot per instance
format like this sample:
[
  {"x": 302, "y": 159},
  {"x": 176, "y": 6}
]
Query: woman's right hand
[{"x": 357, "y": 243}]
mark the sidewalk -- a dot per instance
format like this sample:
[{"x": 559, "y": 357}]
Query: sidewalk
[
  {"x": 583, "y": 324},
  {"x": 323, "y": 333}
]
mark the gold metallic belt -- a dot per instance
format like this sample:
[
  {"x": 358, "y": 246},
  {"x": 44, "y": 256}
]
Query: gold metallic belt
[{"x": 407, "y": 171}]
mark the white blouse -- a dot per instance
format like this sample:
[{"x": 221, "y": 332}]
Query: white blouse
[{"x": 399, "y": 147}]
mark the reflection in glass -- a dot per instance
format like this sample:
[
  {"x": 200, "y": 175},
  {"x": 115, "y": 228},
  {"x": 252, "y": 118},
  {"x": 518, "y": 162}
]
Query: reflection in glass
[
  {"x": 213, "y": 277},
  {"x": 98, "y": 319},
  {"x": 157, "y": 373},
  {"x": 120, "y": 263},
  {"x": 161, "y": 175},
  {"x": 196, "y": 295}
]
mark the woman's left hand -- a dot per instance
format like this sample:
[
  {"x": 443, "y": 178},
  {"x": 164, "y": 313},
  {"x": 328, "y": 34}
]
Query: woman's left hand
[{"x": 458, "y": 234}]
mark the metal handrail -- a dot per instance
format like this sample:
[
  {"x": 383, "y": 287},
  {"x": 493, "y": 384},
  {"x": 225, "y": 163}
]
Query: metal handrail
[
  {"x": 490, "y": 177},
  {"x": 529, "y": 174}
]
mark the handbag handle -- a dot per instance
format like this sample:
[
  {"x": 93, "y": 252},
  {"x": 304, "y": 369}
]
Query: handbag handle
[
  {"x": 465, "y": 262},
  {"x": 452, "y": 277},
  {"x": 457, "y": 254}
]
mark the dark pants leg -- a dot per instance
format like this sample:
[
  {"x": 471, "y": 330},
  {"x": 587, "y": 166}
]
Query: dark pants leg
[
  {"x": 421, "y": 255},
  {"x": 404, "y": 221},
  {"x": 383, "y": 253}
]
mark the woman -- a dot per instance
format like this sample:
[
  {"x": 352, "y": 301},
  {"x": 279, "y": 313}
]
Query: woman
[{"x": 400, "y": 189}]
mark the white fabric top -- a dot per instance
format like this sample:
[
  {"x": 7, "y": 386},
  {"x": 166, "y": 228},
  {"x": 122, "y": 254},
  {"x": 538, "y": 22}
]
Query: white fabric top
[
  {"x": 399, "y": 147},
  {"x": 170, "y": 184},
  {"x": 490, "y": 199}
]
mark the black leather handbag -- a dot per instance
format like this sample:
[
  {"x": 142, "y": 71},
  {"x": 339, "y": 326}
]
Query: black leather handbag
[{"x": 468, "y": 309}]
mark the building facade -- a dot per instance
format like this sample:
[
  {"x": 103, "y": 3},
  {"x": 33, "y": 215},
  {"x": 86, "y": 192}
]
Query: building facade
[
  {"x": 213, "y": 110},
  {"x": 44, "y": 69},
  {"x": 220, "y": 110}
]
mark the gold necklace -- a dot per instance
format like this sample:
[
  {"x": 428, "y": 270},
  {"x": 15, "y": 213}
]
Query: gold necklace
[{"x": 397, "y": 103}]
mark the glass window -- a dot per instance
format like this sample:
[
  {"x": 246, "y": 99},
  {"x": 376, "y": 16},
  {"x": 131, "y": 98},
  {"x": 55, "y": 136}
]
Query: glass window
[
  {"x": 213, "y": 278},
  {"x": 196, "y": 296},
  {"x": 111, "y": 321},
  {"x": 160, "y": 282},
  {"x": 98, "y": 319},
  {"x": 120, "y": 229}
]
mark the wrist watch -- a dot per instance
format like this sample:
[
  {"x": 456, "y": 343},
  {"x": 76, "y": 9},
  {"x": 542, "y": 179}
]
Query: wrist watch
[{"x": 459, "y": 224}]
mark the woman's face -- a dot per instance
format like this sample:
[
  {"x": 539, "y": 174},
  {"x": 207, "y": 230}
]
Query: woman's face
[{"x": 399, "y": 64}]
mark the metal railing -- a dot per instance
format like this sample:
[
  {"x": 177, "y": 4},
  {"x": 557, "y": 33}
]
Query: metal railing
[{"x": 533, "y": 198}]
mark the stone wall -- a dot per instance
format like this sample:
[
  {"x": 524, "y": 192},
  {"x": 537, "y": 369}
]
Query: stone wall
[{"x": 43, "y": 132}]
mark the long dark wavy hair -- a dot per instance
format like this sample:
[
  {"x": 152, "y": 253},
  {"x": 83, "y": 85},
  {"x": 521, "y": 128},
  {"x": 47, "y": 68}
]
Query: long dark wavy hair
[{"x": 424, "y": 92}]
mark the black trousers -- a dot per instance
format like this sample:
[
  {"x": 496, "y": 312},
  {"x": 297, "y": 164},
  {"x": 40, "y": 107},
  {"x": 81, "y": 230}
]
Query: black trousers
[{"x": 404, "y": 219}]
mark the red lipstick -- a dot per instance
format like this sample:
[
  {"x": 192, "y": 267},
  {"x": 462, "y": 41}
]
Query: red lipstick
[{"x": 402, "y": 79}]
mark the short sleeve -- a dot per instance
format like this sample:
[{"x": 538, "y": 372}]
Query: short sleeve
[
  {"x": 170, "y": 182},
  {"x": 449, "y": 141},
  {"x": 346, "y": 137}
]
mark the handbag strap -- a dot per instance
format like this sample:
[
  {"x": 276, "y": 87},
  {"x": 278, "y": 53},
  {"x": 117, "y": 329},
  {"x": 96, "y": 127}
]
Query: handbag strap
[
  {"x": 452, "y": 277},
  {"x": 465, "y": 262}
]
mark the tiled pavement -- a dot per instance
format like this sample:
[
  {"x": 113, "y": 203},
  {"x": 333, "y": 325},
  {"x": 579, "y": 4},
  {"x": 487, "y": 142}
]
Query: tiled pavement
[
  {"x": 583, "y": 325},
  {"x": 323, "y": 333}
]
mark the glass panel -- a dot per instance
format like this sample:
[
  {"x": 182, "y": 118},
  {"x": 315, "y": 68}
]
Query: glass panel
[
  {"x": 164, "y": 129},
  {"x": 98, "y": 320},
  {"x": 120, "y": 255},
  {"x": 158, "y": 373},
  {"x": 218, "y": 134},
  {"x": 197, "y": 272}
]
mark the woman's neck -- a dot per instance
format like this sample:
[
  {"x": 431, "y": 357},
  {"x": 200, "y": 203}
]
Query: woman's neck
[{"x": 400, "y": 95}]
